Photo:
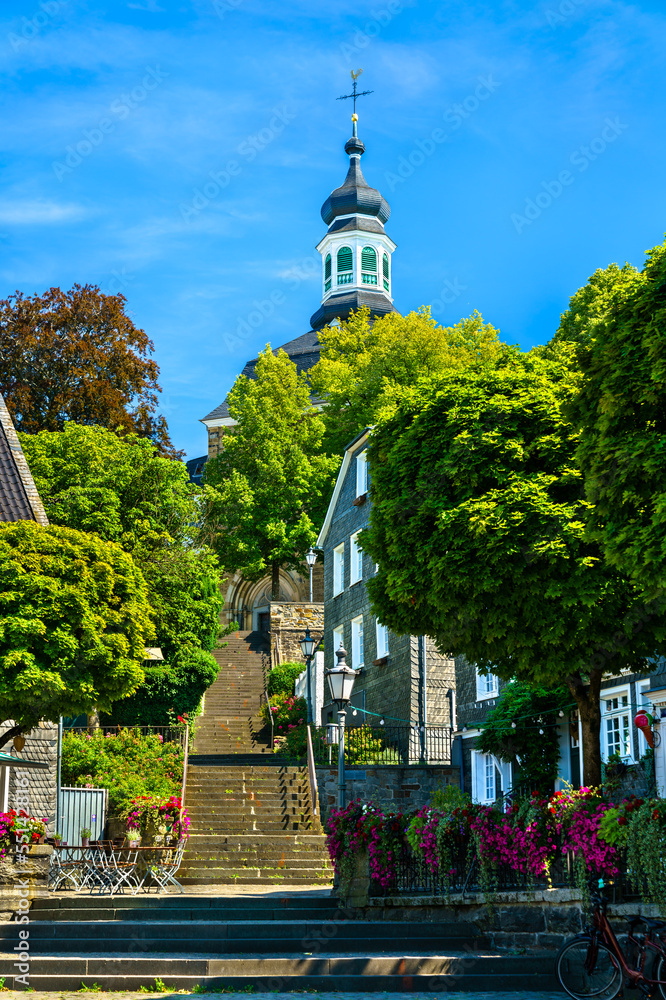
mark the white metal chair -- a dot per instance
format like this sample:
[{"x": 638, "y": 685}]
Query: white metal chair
[{"x": 163, "y": 872}]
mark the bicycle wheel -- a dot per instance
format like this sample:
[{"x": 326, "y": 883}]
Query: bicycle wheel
[
  {"x": 587, "y": 969},
  {"x": 660, "y": 975}
]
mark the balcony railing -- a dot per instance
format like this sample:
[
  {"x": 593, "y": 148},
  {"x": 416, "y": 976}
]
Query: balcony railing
[{"x": 367, "y": 745}]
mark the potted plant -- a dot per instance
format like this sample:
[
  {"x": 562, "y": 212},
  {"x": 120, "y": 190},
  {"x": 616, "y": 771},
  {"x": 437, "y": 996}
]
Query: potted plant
[
  {"x": 134, "y": 836},
  {"x": 85, "y": 836}
]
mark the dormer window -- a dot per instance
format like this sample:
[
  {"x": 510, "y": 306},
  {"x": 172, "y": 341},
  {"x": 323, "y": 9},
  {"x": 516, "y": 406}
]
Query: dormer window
[
  {"x": 369, "y": 266},
  {"x": 345, "y": 266},
  {"x": 385, "y": 271},
  {"x": 327, "y": 273}
]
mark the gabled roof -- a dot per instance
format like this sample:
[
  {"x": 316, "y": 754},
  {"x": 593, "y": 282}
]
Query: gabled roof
[
  {"x": 19, "y": 500},
  {"x": 352, "y": 447},
  {"x": 304, "y": 351}
]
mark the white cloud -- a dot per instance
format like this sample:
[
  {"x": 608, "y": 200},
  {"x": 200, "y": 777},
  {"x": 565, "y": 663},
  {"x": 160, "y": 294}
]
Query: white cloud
[{"x": 39, "y": 212}]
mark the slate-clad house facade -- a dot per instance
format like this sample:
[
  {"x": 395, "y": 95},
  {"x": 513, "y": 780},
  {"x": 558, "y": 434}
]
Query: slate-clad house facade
[
  {"x": 392, "y": 667},
  {"x": 486, "y": 778},
  {"x": 19, "y": 501}
]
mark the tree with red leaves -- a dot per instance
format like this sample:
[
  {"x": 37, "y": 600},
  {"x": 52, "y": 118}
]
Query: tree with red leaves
[{"x": 77, "y": 356}]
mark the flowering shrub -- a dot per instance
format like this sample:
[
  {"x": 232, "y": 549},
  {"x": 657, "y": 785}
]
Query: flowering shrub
[
  {"x": 153, "y": 817},
  {"x": 128, "y": 763},
  {"x": 529, "y": 837},
  {"x": 365, "y": 825},
  {"x": 18, "y": 825}
]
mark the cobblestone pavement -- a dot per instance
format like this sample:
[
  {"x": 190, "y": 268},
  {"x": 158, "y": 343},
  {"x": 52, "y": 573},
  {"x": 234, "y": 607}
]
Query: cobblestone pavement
[{"x": 20, "y": 995}]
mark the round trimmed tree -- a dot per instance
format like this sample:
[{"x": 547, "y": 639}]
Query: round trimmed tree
[{"x": 74, "y": 623}]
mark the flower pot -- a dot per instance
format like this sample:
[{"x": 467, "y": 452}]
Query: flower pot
[
  {"x": 135, "y": 843},
  {"x": 85, "y": 841}
]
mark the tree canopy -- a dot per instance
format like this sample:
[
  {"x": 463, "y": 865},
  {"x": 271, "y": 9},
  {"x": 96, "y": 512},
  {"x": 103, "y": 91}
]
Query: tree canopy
[
  {"x": 74, "y": 623},
  {"x": 366, "y": 363},
  {"x": 478, "y": 525},
  {"x": 268, "y": 489},
  {"x": 590, "y": 305},
  {"x": 78, "y": 356},
  {"x": 621, "y": 413},
  {"x": 118, "y": 487}
]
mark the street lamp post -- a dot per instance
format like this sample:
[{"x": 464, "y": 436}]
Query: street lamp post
[
  {"x": 308, "y": 648},
  {"x": 341, "y": 682},
  {"x": 311, "y": 559}
]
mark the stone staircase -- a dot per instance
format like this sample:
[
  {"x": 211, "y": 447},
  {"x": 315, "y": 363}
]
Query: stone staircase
[
  {"x": 275, "y": 942},
  {"x": 252, "y": 819}
]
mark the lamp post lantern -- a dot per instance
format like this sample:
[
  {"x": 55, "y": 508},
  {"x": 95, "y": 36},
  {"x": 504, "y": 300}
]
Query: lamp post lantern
[
  {"x": 308, "y": 649},
  {"x": 341, "y": 682},
  {"x": 311, "y": 559}
]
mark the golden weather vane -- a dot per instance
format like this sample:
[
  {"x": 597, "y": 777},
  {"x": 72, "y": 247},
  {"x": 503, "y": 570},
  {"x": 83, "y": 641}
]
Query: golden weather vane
[{"x": 355, "y": 93}]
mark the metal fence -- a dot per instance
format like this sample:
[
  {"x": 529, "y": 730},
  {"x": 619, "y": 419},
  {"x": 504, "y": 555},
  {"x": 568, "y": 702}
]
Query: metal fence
[
  {"x": 82, "y": 808},
  {"x": 383, "y": 744}
]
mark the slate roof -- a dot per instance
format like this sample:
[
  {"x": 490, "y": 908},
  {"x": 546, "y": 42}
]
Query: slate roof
[
  {"x": 19, "y": 500},
  {"x": 304, "y": 352}
]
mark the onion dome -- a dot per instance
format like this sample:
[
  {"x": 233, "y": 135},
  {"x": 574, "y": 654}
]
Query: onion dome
[{"x": 355, "y": 197}]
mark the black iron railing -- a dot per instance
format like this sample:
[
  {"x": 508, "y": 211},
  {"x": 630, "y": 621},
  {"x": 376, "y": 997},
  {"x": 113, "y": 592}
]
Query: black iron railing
[{"x": 367, "y": 745}]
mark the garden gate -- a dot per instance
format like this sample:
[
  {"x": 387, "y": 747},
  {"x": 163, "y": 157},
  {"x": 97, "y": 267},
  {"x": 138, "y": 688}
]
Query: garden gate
[{"x": 82, "y": 808}]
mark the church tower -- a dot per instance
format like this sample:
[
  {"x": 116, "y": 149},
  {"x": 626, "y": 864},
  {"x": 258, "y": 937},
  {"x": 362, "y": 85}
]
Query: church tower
[{"x": 356, "y": 251}]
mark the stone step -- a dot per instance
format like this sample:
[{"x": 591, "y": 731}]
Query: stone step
[
  {"x": 198, "y": 864},
  {"x": 398, "y": 971},
  {"x": 258, "y": 936},
  {"x": 264, "y": 907},
  {"x": 257, "y": 876}
]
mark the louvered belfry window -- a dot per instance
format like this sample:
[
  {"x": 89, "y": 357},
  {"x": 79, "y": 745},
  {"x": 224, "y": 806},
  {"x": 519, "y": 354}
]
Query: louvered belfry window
[
  {"x": 327, "y": 273},
  {"x": 369, "y": 266},
  {"x": 385, "y": 270},
  {"x": 345, "y": 266}
]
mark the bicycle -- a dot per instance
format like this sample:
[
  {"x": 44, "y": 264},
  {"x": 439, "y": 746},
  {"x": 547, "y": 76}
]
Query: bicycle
[{"x": 594, "y": 964}]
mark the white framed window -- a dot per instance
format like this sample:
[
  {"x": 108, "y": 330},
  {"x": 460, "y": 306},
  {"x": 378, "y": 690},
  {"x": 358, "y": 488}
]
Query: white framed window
[
  {"x": 357, "y": 642},
  {"x": 616, "y": 735},
  {"x": 382, "y": 640},
  {"x": 487, "y": 686},
  {"x": 355, "y": 560},
  {"x": 484, "y": 778},
  {"x": 338, "y": 569},
  {"x": 361, "y": 474},
  {"x": 338, "y": 640}
]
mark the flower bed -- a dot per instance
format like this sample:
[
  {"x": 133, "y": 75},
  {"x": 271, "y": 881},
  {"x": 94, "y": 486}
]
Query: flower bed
[{"x": 564, "y": 839}]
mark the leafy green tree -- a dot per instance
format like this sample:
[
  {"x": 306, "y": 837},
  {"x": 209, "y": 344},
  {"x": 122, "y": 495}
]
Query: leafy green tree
[
  {"x": 522, "y": 730},
  {"x": 118, "y": 487},
  {"x": 478, "y": 525},
  {"x": 76, "y": 355},
  {"x": 268, "y": 490},
  {"x": 366, "y": 363},
  {"x": 74, "y": 623},
  {"x": 621, "y": 414},
  {"x": 591, "y": 305},
  {"x": 169, "y": 690}
]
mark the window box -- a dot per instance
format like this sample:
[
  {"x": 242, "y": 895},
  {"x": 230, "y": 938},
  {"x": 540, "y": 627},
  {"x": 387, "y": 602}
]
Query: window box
[
  {"x": 359, "y": 501},
  {"x": 380, "y": 662}
]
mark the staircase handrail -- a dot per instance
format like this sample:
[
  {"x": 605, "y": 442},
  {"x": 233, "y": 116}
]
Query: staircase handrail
[
  {"x": 186, "y": 755},
  {"x": 270, "y": 716},
  {"x": 312, "y": 773}
]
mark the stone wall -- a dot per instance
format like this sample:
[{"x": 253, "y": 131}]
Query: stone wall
[
  {"x": 391, "y": 786},
  {"x": 41, "y": 744},
  {"x": 529, "y": 920},
  {"x": 289, "y": 621}
]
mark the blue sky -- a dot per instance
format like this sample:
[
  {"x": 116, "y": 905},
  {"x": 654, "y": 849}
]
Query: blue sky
[{"x": 179, "y": 151}]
